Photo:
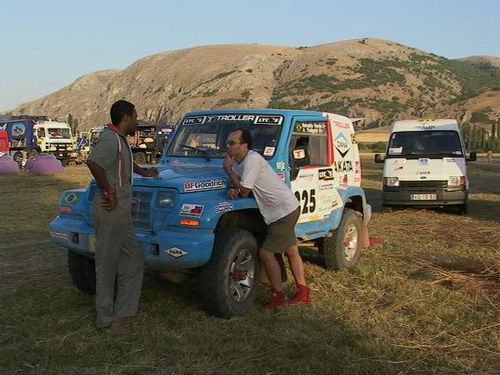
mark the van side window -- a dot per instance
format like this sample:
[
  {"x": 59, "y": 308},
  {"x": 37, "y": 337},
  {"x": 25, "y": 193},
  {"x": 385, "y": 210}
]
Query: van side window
[
  {"x": 312, "y": 137},
  {"x": 40, "y": 133}
]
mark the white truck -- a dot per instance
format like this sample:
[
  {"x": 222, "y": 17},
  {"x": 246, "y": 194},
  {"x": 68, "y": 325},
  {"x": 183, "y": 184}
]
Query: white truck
[
  {"x": 55, "y": 138},
  {"x": 425, "y": 165}
]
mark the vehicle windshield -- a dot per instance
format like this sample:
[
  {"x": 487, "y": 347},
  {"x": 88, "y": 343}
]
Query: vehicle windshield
[
  {"x": 205, "y": 136},
  {"x": 61, "y": 133},
  {"x": 435, "y": 143}
]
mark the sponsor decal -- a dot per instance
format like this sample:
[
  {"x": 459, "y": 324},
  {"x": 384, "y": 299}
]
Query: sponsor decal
[
  {"x": 299, "y": 154},
  {"x": 342, "y": 144},
  {"x": 353, "y": 139},
  {"x": 326, "y": 187},
  {"x": 344, "y": 166},
  {"x": 325, "y": 174},
  {"x": 425, "y": 127},
  {"x": 280, "y": 165},
  {"x": 175, "y": 252},
  {"x": 223, "y": 207},
  {"x": 397, "y": 168},
  {"x": 256, "y": 119},
  {"x": 71, "y": 198},
  {"x": 341, "y": 124},
  {"x": 419, "y": 173},
  {"x": 449, "y": 160},
  {"x": 214, "y": 184},
  {"x": 282, "y": 176},
  {"x": 423, "y": 161},
  {"x": 306, "y": 176},
  {"x": 316, "y": 128},
  {"x": 61, "y": 235},
  {"x": 335, "y": 203},
  {"x": 357, "y": 167},
  {"x": 269, "y": 151},
  {"x": 191, "y": 210},
  {"x": 268, "y": 119}
]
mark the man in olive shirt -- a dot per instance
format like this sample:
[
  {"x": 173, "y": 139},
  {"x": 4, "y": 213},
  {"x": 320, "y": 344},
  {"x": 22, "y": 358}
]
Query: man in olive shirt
[{"x": 118, "y": 256}]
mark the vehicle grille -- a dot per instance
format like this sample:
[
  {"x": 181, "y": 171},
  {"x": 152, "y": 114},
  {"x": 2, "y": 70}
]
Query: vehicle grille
[
  {"x": 142, "y": 219},
  {"x": 423, "y": 186}
]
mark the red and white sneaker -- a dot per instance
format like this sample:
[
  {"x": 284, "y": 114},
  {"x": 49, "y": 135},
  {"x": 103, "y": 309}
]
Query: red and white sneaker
[
  {"x": 278, "y": 299},
  {"x": 302, "y": 295}
]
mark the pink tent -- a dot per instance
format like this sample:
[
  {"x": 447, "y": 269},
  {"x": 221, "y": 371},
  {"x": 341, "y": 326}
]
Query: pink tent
[
  {"x": 43, "y": 163},
  {"x": 7, "y": 165}
]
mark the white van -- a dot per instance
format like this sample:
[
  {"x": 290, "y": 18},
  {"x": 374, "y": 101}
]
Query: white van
[{"x": 424, "y": 165}]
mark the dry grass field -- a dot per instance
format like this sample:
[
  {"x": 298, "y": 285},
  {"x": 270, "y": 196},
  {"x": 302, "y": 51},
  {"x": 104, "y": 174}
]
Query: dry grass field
[{"x": 424, "y": 302}]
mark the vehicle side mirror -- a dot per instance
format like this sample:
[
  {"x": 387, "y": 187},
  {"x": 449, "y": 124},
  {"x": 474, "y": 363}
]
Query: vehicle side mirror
[
  {"x": 378, "y": 158},
  {"x": 472, "y": 156}
]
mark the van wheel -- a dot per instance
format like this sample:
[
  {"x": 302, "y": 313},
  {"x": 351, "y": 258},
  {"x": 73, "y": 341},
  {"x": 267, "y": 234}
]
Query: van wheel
[
  {"x": 229, "y": 281},
  {"x": 82, "y": 271},
  {"x": 343, "y": 249},
  {"x": 463, "y": 208}
]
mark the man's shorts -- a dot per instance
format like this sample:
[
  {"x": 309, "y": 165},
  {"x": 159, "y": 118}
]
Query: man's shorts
[{"x": 281, "y": 234}]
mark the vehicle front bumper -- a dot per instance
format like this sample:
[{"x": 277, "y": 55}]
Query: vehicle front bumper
[
  {"x": 176, "y": 248},
  {"x": 403, "y": 197}
]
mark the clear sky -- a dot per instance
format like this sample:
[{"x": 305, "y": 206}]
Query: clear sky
[{"x": 47, "y": 44}]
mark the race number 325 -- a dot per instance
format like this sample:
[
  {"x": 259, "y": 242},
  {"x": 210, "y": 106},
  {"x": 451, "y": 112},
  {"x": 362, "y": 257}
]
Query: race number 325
[{"x": 307, "y": 200}]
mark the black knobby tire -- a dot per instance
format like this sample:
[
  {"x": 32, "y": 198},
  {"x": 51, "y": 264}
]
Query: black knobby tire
[
  {"x": 140, "y": 158},
  {"x": 229, "y": 281},
  {"x": 82, "y": 271},
  {"x": 463, "y": 209},
  {"x": 343, "y": 249}
]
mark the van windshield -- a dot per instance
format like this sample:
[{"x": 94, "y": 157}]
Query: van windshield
[
  {"x": 433, "y": 143},
  {"x": 205, "y": 136}
]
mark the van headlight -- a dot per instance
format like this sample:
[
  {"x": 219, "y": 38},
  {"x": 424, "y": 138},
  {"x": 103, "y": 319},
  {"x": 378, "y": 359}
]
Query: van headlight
[
  {"x": 165, "y": 199},
  {"x": 456, "y": 180},
  {"x": 391, "y": 181}
]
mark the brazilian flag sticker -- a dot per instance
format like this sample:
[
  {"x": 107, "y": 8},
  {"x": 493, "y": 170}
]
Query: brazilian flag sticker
[{"x": 71, "y": 198}]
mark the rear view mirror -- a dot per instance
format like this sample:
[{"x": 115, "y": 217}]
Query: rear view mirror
[
  {"x": 378, "y": 158},
  {"x": 472, "y": 156}
]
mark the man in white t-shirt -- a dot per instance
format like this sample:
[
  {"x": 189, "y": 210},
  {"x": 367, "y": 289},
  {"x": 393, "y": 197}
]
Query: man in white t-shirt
[{"x": 250, "y": 172}]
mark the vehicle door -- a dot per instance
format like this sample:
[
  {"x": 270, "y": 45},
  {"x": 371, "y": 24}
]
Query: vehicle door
[{"x": 311, "y": 170}]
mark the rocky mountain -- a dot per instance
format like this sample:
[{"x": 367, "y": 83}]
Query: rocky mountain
[{"x": 373, "y": 79}]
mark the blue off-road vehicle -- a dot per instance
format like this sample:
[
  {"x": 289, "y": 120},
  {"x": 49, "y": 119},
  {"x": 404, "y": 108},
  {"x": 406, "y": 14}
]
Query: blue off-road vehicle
[{"x": 185, "y": 221}]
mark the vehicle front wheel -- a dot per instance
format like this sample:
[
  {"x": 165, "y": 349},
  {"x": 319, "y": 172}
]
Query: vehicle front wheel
[
  {"x": 343, "y": 249},
  {"x": 82, "y": 271},
  {"x": 229, "y": 280}
]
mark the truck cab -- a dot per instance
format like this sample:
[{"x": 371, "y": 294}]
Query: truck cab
[
  {"x": 184, "y": 219},
  {"x": 425, "y": 165},
  {"x": 55, "y": 138}
]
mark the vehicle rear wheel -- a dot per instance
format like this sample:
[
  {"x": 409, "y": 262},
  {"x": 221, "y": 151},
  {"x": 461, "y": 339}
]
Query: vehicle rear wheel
[
  {"x": 343, "y": 249},
  {"x": 82, "y": 271},
  {"x": 229, "y": 281}
]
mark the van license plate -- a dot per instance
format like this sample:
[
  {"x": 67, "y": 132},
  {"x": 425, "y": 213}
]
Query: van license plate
[{"x": 423, "y": 197}]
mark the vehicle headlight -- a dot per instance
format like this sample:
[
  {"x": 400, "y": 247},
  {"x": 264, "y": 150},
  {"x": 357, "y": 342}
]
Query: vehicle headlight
[
  {"x": 456, "y": 180},
  {"x": 165, "y": 199},
  {"x": 391, "y": 181}
]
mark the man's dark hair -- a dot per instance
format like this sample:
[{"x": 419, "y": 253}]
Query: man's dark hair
[
  {"x": 245, "y": 137},
  {"x": 120, "y": 109}
]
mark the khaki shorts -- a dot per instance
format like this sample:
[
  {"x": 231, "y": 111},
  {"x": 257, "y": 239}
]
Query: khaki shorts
[{"x": 281, "y": 234}]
